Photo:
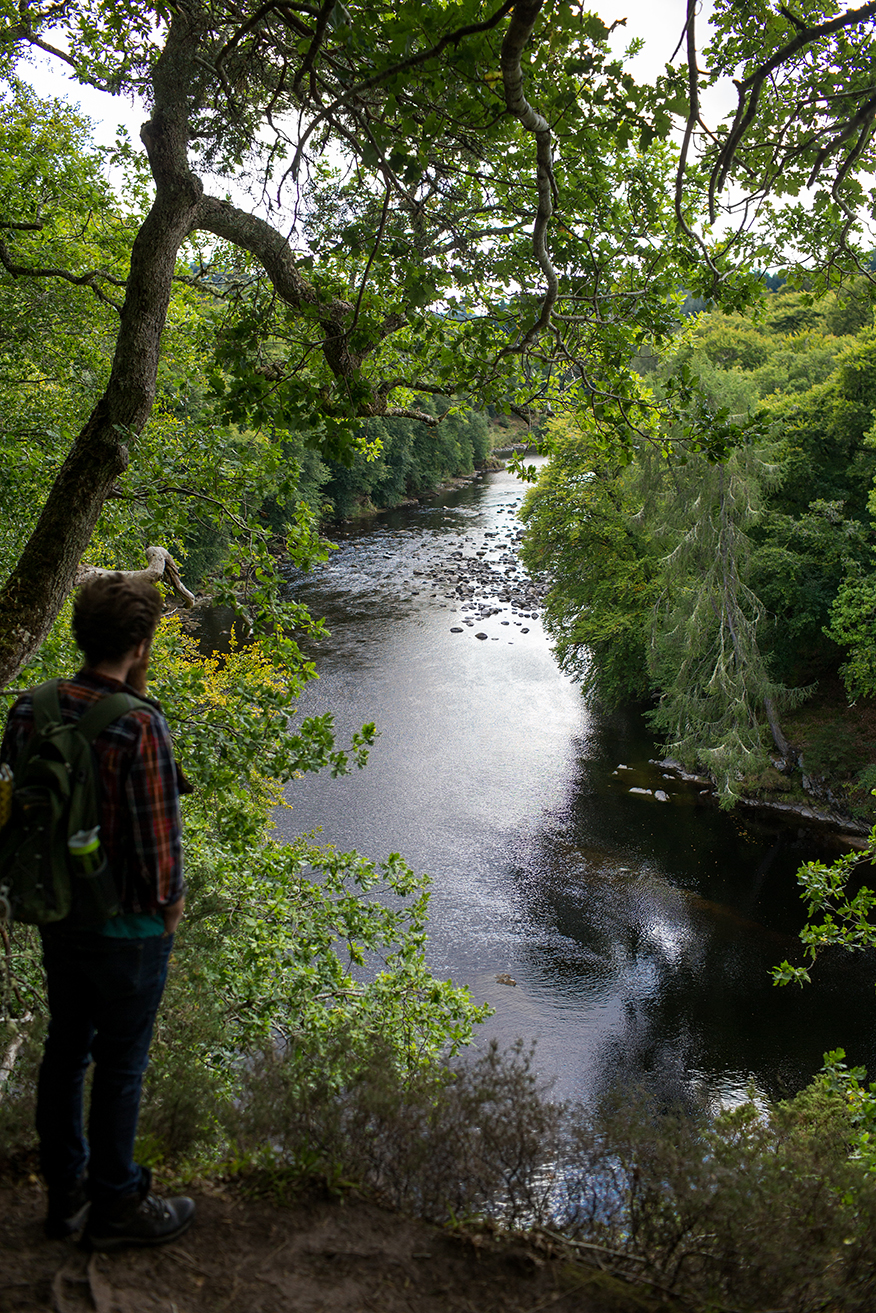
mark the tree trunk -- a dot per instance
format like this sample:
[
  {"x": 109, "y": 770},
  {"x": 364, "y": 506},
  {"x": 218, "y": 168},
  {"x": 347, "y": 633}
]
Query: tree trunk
[
  {"x": 46, "y": 571},
  {"x": 35, "y": 591},
  {"x": 787, "y": 752}
]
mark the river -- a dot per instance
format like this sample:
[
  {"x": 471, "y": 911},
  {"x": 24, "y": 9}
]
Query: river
[{"x": 639, "y": 926}]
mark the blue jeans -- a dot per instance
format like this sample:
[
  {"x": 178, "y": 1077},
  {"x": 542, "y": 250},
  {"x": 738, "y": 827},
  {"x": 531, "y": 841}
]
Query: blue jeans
[{"x": 103, "y": 997}]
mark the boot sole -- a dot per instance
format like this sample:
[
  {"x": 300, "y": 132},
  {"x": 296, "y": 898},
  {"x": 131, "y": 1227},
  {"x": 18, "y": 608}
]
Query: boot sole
[{"x": 107, "y": 1243}]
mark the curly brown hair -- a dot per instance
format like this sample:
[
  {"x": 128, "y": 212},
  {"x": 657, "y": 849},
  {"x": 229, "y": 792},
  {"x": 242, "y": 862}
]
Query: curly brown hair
[{"x": 113, "y": 613}]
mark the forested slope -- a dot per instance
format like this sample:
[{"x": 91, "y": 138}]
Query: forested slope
[{"x": 728, "y": 592}]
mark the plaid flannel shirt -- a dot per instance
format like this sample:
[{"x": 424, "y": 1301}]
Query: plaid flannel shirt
[{"x": 139, "y": 797}]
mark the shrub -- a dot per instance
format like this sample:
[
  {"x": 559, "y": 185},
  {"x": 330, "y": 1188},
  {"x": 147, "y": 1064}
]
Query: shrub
[
  {"x": 445, "y": 1142},
  {"x": 751, "y": 1209}
]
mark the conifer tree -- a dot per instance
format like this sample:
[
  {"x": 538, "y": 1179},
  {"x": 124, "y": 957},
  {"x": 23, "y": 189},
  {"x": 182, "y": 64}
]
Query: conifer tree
[{"x": 717, "y": 694}]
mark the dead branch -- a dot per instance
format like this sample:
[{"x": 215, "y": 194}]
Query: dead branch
[
  {"x": 402, "y": 412},
  {"x": 161, "y": 566}
]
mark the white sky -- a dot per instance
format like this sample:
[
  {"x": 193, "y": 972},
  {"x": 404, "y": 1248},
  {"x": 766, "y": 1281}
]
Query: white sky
[{"x": 659, "y": 22}]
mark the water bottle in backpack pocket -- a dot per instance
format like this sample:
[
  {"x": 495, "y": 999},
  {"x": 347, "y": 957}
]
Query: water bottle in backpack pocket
[{"x": 94, "y": 891}]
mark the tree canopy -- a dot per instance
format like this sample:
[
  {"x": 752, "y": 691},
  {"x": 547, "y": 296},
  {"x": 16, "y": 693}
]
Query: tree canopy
[{"x": 459, "y": 200}]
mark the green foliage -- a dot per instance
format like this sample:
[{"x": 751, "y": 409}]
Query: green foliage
[
  {"x": 394, "y": 254},
  {"x": 397, "y": 293},
  {"x": 446, "y": 1143},
  {"x": 853, "y": 625},
  {"x": 839, "y": 1103},
  {"x": 754, "y": 1208},
  {"x": 784, "y": 63},
  {"x": 224, "y": 500},
  {"x": 584, "y": 537},
  {"x": 834, "y": 893},
  {"x": 755, "y": 534},
  {"x": 785, "y": 348},
  {"x": 840, "y": 914},
  {"x": 826, "y": 431},
  {"x": 53, "y": 335},
  {"x": 797, "y": 568},
  {"x": 852, "y": 308},
  {"x": 288, "y": 944},
  {"x": 406, "y": 458}
]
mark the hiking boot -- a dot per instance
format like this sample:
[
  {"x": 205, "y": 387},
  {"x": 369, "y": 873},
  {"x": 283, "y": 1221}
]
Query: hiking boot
[
  {"x": 139, "y": 1221},
  {"x": 66, "y": 1211}
]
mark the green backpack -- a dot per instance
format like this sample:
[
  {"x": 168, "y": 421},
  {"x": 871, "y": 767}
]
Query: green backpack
[{"x": 51, "y": 862}]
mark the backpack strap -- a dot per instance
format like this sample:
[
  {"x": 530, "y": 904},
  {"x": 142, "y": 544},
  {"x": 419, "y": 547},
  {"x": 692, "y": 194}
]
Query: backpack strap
[
  {"x": 107, "y": 709},
  {"x": 46, "y": 706},
  {"x": 47, "y": 710}
]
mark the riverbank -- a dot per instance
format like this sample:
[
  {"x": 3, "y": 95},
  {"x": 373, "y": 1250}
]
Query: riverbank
[
  {"x": 830, "y": 788},
  {"x": 366, "y": 510},
  {"x": 786, "y": 799},
  {"x": 509, "y": 436},
  {"x": 336, "y": 1254}
]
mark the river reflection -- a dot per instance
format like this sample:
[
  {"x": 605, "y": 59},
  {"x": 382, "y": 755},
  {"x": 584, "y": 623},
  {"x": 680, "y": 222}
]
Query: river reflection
[{"x": 640, "y": 933}]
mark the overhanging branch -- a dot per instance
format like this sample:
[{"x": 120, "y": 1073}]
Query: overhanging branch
[
  {"x": 693, "y": 121},
  {"x": 519, "y": 31},
  {"x": 404, "y": 412},
  {"x": 89, "y": 279},
  {"x": 751, "y": 87}
]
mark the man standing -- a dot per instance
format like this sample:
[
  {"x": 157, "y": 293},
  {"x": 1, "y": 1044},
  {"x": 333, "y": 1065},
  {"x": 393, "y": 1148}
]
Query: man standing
[{"x": 105, "y": 982}]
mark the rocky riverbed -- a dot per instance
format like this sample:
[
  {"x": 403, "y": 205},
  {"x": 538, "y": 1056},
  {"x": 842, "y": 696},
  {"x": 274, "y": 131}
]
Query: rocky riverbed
[{"x": 475, "y": 575}]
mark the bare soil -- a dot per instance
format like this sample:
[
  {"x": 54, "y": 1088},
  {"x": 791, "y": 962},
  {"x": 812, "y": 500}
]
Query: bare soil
[{"x": 318, "y": 1255}]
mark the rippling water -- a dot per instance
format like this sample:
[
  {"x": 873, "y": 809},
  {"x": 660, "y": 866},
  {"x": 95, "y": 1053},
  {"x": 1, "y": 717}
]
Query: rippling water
[{"x": 640, "y": 932}]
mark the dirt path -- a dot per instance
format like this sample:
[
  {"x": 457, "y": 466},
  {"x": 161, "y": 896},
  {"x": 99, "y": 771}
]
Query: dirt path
[{"x": 326, "y": 1256}]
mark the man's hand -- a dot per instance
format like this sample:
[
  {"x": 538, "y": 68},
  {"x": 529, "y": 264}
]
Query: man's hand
[{"x": 173, "y": 914}]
